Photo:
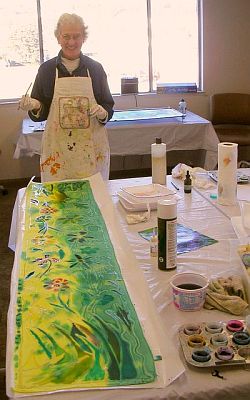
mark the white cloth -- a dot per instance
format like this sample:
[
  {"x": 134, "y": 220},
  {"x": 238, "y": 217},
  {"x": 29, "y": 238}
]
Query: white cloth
[
  {"x": 136, "y": 218},
  {"x": 199, "y": 176},
  {"x": 74, "y": 145},
  {"x": 194, "y": 133}
]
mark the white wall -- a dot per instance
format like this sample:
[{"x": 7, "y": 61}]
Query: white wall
[
  {"x": 226, "y": 46},
  {"x": 226, "y": 69}
]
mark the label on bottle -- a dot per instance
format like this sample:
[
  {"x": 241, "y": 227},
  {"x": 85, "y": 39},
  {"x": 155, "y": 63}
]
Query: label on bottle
[
  {"x": 159, "y": 170},
  {"x": 153, "y": 247},
  {"x": 187, "y": 188},
  {"x": 182, "y": 107},
  {"x": 167, "y": 243}
]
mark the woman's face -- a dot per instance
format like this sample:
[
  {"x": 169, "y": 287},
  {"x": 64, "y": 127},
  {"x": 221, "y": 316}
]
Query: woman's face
[{"x": 71, "y": 40}]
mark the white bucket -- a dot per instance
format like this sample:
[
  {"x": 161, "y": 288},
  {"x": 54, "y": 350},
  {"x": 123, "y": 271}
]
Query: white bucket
[{"x": 189, "y": 291}]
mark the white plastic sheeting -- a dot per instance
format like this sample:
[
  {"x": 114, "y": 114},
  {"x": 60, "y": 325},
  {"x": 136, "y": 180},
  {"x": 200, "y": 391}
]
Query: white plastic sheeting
[{"x": 197, "y": 211}]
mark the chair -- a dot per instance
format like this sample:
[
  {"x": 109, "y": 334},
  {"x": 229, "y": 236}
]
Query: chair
[
  {"x": 230, "y": 116},
  {"x": 3, "y": 190}
]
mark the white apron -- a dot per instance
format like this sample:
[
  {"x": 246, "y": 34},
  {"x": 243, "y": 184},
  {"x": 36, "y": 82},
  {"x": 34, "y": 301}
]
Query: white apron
[{"x": 74, "y": 145}]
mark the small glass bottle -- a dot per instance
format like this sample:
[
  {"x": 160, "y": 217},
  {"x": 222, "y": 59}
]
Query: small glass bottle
[
  {"x": 187, "y": 183},
  {"x": 183, "y": 107},
  {"x": 153, "y": 245}
]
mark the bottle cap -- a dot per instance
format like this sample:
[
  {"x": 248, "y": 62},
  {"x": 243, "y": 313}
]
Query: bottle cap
[
  {"x": 158, "y": 140},
  {"x": 166, "y": 209}
]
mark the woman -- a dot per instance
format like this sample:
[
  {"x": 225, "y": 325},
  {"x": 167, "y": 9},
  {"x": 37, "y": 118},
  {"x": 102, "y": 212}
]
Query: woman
[{"x": 72, "y": 93}]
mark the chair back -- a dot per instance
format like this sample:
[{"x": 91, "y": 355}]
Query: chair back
[{"x": 230, "y": 108}]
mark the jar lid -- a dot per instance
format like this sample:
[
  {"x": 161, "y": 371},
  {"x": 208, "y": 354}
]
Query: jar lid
[{"x": 166, "y": 209}]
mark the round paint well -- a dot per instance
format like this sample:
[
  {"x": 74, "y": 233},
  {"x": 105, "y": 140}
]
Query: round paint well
[
  {"x": 214, "y": 327},
  {"x": 219, "y": 339},
  {"x": 196, "y": 341},
  {"x": 248, "y": 323},
  {"x": 244, "y": 353},
  {"x": 202, "y": 355},
  {"x": 241, "y": 338},
  {"x": 224, "y": 353},
  {"x": 191, "y": 329},
  {"x": 234, "y": 325}
]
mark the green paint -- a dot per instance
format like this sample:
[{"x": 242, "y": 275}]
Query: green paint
[{"x": 88, "y": 328}]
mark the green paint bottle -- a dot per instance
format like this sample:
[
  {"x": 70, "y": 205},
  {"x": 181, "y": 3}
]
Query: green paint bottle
[{"x": 167, "y": 234}]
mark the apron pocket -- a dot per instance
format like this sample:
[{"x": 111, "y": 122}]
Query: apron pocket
[{"x": 74, "y": 112}]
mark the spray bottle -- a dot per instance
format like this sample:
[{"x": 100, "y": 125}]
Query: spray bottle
[
  {"x": 159, "y": 162},
  {"x": 183, "y": 107}
]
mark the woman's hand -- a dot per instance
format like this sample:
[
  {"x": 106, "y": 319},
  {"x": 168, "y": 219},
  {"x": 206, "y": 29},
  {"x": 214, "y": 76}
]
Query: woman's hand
[
  {"x": 27, "y": 103},
  {"x": 99, "y": 112}
]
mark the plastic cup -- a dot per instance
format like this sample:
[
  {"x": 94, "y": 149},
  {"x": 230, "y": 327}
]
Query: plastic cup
[
  {"x": 245, "y": 214},
  {"x": 189, "y": 291}
]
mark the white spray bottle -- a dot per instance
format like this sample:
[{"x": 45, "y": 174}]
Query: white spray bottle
[{"x": 159, "y": 162}]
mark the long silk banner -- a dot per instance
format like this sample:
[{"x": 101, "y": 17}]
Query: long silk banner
[{"x": 76, "y": 326}]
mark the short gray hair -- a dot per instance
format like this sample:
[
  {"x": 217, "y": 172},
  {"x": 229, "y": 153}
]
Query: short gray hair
[{"x": 71, "y": 19}]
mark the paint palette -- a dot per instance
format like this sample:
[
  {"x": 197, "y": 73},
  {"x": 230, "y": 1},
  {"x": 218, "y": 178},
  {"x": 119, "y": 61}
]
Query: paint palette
[{"x": 210, "y": 344}]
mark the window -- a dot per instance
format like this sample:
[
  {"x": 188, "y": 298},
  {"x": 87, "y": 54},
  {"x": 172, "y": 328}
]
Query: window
[
  {"x": 154, "y": 40},
  {"x": 19, "y": 47},
  {"x": 175, "y": 44}
]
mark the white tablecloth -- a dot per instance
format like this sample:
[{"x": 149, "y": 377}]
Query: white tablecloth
[
  {"x": 136, "y": 137},
  {"x": 219, "y": 259}
]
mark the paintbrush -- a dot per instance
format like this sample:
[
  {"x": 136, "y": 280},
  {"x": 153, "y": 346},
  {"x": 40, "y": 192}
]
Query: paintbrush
[
  {"x": 26, "y": 93},
  {"x": 174, "y": 185}
]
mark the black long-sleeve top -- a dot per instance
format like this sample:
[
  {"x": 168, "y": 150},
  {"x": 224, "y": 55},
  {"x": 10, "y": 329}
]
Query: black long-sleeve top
[{"x": 43, "y": 89}]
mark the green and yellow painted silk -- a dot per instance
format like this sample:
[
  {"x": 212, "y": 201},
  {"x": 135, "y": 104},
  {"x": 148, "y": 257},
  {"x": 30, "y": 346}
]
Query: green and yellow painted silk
[{"x": 76, "y": 326}]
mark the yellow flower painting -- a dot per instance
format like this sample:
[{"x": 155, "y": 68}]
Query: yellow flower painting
[{"x": 76, "y": 326}]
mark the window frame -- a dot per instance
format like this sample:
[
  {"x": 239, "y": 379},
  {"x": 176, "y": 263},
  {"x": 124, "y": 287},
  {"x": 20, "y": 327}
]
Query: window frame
[{"x": 149, "y": 39}]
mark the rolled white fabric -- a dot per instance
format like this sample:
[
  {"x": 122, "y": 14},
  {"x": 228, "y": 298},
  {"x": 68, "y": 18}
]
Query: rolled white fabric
[{"x": 227, "y": 173}]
